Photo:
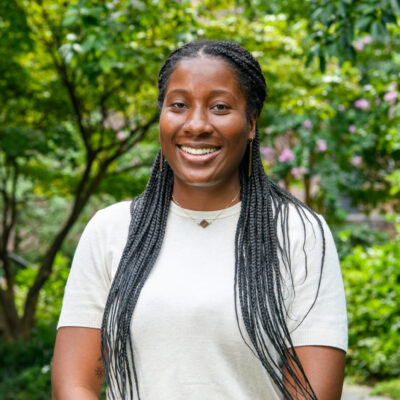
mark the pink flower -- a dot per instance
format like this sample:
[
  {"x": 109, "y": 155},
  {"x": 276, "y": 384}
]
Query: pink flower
[
  {"x": 377, "y": 101},
  {"x": 321, "y": 145},
  {"x": 362, "y": 104},
  {"x": 366, "y": 40},
  {"x": 356, "y": 161},
  {"x": 298, "y": 172},
  {"x": 342, "y": 108},
  {"x": 267, "y": 152},
  {"x": 352, "y": 128},
  {"x": 307, "y": 124},
  {"x": 286, "y": 155},
  {"x": 390, "y": 97},
  {"x": 121, "y": 135},
  {"x": 360, "y": 43},
  {"x": 268, "y": 130}
]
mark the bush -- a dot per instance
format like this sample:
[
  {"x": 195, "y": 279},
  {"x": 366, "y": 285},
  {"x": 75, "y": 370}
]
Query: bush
[
  {"x": 350, "y": 235},
  {"x": 372, "y": 284},
  {"x": 25, "y": 366},
  {"x": 389, "y": 388}
]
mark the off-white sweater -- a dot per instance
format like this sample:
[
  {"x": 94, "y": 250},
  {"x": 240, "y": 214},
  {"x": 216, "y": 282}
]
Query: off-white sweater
[{"x": 186, "y": 340}]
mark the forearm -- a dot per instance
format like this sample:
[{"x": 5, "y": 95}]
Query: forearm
[{"x": 74, "y": 393}]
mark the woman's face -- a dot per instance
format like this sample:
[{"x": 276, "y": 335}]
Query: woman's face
[{"x": 204, "y": 130}]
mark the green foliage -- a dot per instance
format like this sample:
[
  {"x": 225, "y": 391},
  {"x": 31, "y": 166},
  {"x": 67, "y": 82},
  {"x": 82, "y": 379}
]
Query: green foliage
[
  {"x": 372, "y": 279},
  {"x": 336, "y": 25},
  {"x": 389, "y": 388},
  {"x": 89, "y": 72},
  {"x": 50, "y": 300},
  {"x": 25, "y": 366},
  {"x": 349, "y": 236}
]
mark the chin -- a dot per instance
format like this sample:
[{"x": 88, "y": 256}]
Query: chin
[{"x": 204, "y": 180}]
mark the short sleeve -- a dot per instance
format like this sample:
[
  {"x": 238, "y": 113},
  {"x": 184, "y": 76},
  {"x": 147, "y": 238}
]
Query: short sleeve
[
  {"x": 317, "y": 311},
  {"x": 89, "y": 281}
]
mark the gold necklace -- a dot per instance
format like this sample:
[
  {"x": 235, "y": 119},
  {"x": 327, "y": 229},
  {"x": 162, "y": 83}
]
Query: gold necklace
[{"x": 204, "y": 223}]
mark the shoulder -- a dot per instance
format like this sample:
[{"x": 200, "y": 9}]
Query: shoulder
[
  {"x": 114, "y": 212},
  {"x": 302, "y": 229},
  {"x": 115, "y": 216},
  {"x": 308, "y": 252},
  {"x": 109, "y": 223}
]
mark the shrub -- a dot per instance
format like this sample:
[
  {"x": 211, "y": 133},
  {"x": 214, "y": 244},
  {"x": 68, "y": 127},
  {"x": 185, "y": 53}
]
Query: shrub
[
  {"x": 350, "y": 235},
  {"x": 372, "y": 284},
  {"x": 390, "y": 388},
  {"x": 25, "y": 366}
]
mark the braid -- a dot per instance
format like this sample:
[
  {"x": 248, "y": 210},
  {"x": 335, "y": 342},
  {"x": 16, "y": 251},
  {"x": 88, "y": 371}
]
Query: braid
[
  {"x": 149, "y": 213},
  {"x": 262, "y": 249}
]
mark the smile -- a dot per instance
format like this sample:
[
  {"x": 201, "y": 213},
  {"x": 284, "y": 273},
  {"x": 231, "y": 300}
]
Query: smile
[
  {"x": 199, "y": 152},
  {"x": 199, "y": 155}
]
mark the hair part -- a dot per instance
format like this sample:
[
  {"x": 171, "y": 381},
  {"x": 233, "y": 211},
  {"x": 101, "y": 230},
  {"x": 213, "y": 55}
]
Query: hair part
[{"x": 260, "y": 256}]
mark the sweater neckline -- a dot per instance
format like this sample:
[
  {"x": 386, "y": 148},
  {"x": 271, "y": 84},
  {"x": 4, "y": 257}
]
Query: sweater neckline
[{"x": 196, "y": 214}]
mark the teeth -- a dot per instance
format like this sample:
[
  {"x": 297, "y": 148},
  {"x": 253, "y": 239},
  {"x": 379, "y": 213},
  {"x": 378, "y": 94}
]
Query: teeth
[{"x": 204, "y": 150}]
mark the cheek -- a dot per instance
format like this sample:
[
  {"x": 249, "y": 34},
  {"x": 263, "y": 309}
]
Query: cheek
[
  {"x": 231, "y": 124},
  {"x": 169, "y": 123},
  {"x": 236, "y": 131}
]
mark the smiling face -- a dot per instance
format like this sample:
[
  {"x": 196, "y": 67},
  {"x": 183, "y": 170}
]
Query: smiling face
[{"x": 204, "y": 129}]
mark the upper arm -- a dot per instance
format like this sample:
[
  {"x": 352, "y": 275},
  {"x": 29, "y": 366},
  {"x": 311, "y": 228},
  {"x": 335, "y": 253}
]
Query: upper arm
[
  {"x": 324, "y": 369},
  {"x": 77, "y": 369},
  {"x": 317, "y": 318},
  {"x": 317, "y": 308},
  {"x": 77, "y": 355}
]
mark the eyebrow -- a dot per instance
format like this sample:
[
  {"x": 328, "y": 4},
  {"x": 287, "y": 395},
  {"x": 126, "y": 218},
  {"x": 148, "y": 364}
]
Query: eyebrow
[{"x": 213, "y": 92}]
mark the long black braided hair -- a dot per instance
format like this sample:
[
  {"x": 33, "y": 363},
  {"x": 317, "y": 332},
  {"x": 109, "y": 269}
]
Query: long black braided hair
[{"x": 262, "y": 249}]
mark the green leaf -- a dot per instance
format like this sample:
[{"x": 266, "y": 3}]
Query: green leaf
[
  {"x": 363, "y": 23},
  {"x": 70, "y": 20},
  {"x": 376, "y": 31},
  {"x": 342, "y": 9},
  {"x": 105, "y": 64},
  {"x": 395, "y": 6},
  {"x": 322, "y": 61}
]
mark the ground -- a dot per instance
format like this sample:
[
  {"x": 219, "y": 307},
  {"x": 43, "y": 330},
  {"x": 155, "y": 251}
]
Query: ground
[{"x": 359, "y": 393}]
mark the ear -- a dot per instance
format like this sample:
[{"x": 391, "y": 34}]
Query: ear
[{"x": 252, "y": 126}]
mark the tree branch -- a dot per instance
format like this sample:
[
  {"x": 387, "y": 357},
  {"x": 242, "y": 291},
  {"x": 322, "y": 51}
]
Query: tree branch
[
  {"x": 69, "y": 84},
  {"x": 137, "y": 134},
  {"x": 80, "y": 202},
  {"x": 131, "y": 168},
  {"x": 9, "y": 220}
]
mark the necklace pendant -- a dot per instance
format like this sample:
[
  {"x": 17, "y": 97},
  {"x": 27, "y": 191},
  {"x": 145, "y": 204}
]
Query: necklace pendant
[{"x": 203, "y": 223}]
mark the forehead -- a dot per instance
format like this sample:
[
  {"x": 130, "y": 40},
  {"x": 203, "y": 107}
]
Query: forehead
[{"x": 199, "y": 73}]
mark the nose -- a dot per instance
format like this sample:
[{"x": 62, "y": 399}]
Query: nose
[{"x": 197, "y": 121}]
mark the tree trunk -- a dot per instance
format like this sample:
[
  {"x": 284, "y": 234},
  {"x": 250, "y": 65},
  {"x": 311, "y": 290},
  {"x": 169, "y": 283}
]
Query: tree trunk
[
  {"x": 10, "y": 323},
  {"x": 28, "y": 319}
]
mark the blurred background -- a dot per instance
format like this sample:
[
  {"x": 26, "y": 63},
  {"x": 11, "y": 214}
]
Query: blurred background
[{"x": 78, "y": 131}]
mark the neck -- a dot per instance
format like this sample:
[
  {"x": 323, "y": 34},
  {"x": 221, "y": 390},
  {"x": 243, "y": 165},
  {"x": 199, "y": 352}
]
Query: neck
[{"x": 206, "y": 198}]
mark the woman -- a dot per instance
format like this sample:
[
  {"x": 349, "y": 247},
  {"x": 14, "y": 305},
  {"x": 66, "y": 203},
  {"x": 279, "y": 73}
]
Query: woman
[{"x": 215, "y": 283}]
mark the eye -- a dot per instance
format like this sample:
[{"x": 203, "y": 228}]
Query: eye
[
  {"x": 179, "y": 106},
  {"x": 221, "y": 108}
]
